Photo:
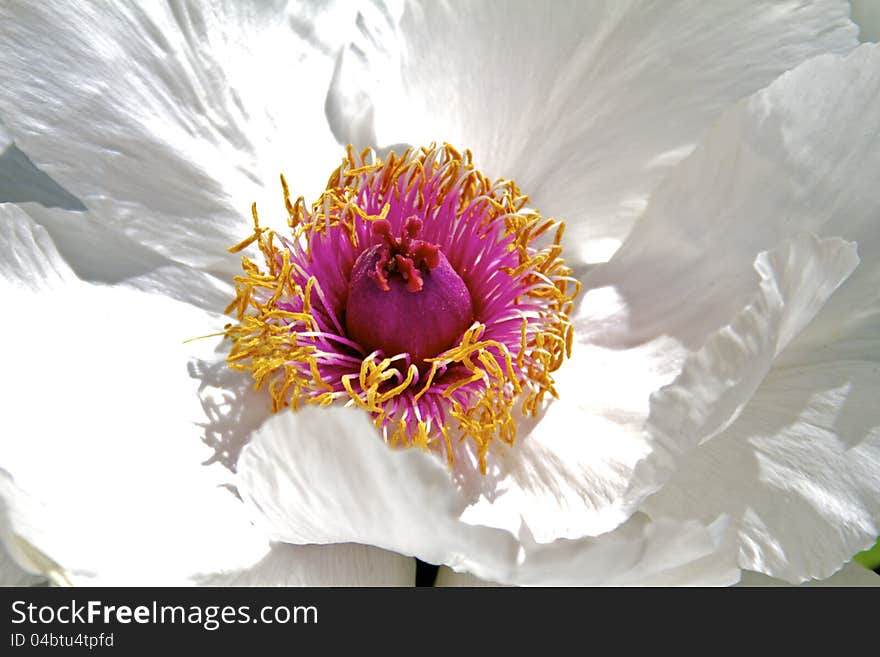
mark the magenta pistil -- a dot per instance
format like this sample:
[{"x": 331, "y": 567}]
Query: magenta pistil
[
  {"x": 405, "y": 297},
  {"x": 405, "y": 255}
]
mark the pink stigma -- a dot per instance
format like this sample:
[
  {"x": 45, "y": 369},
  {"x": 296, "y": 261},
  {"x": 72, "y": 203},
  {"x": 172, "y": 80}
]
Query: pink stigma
[
  {"x": 383, "y": 311},
  {"x": 405, "y": 255}
]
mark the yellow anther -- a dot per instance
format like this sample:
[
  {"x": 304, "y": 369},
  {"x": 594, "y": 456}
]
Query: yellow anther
[{"x": 477, "y": 383}]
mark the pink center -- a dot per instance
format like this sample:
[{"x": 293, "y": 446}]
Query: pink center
[
  {"x": 405, "y": 255},
  {"x": 405, "y": 297}
]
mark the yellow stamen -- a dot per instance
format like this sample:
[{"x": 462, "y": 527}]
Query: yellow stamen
[{"x": 478, "y": 381}]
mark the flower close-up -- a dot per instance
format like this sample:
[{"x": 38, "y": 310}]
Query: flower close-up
[
  {"x": 413, "y": 290},
  {"x": 577, "y": 293}
]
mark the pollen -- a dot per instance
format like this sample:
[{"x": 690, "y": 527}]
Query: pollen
[{"x": 415, "y": 289}]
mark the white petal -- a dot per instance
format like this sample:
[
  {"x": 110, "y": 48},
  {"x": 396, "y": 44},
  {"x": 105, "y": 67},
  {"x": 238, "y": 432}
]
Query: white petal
[
  {"x": 594, "y": 456},
  {"x": 797, "y": 469},
  {"x": 102, "y": 446},
  {"x": 168, "y": 122},
  {"x": 866, "y": 14},
  {"x": 641, "y": 552},
  {"x": 99, "y": 254},
  {"x": 12, "y": 574},
  {"x": 798, "y": 156},
  {"x": 587, "y": 105},
  {"x": 755, "y": 209},
  {"x": 22, "y": 182},
  {"x": 570, "y": 475},
  {"x": 716, "y": 383},
  {"x": 324, "y": 475},
  {"x": 851, "y": 575},
  {"x": 29, "y": 261},
  {"x": 321, "y": 565},
  {"x": 557, "y": 481}
]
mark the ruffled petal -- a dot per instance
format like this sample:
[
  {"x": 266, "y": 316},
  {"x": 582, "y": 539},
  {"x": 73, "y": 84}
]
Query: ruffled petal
[
  {"x": 667, "y": 279},
  {"x": 321, "y": 565},
  {"x": 717, "y": 382},
  {"x": 639, "y": 553},
  {"x": 29, "y": 262},
  {"x": 324, "y": 476},
  {"x": 594, "y": 455},
  {"x": 797, "y": 471},
  {"x": 98, "y": 254},
  {"x": 798, "y": 156},
  {"x": 12, "y": 574},
  {"x": 556, "y": 486},
  {"x": 587, "y": 105},
  {"x": 795, "y": 157},
  {"x": 103, "y": 478},
  {"x": 796, "y": 450},
  {"x": 22, "y": 182},
  {"x": 569, "y": 474},
  {"x": 167, "y": 122},
  {"x": 851, "y": 575}
]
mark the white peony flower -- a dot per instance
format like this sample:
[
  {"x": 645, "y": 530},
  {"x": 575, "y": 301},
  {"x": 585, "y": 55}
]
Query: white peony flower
[{"x": 717, "y": 410}]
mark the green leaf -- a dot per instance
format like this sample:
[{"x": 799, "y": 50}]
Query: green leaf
[{"x": 870, "y": 558}]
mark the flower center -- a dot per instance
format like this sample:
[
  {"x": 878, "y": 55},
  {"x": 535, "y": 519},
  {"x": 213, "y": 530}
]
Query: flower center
[
  {"x": 416, "y": 289},
  {"x": 405, "y": 297}
]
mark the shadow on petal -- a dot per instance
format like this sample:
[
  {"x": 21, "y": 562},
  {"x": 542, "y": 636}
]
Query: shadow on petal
[{"x": 233, "y": 409}]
